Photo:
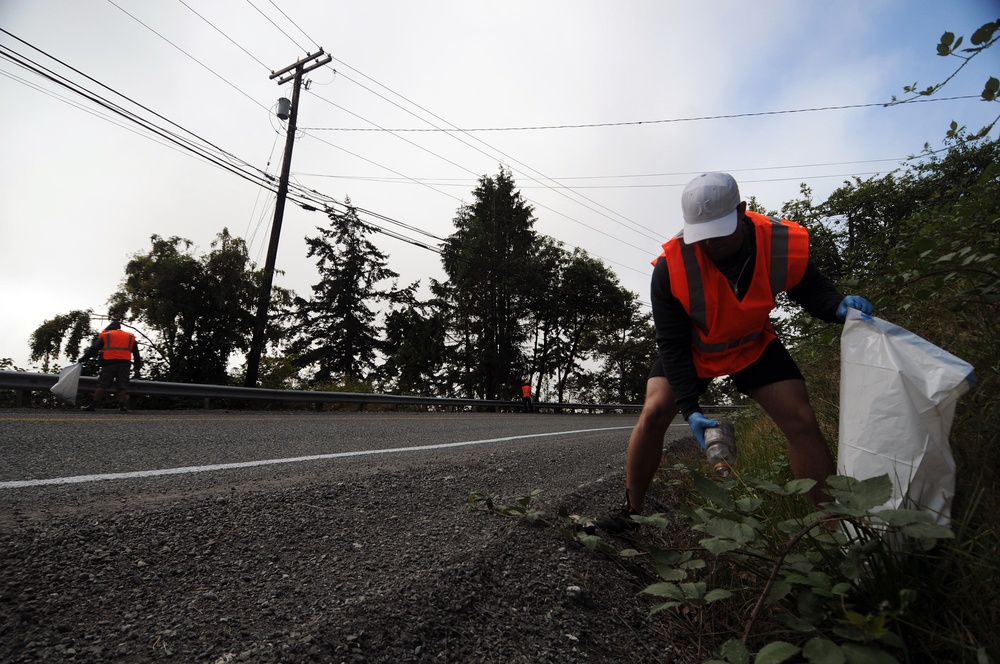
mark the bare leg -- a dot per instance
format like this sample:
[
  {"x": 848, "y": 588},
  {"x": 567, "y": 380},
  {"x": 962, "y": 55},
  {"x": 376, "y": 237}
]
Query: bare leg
[
  {"x": 645, "y": 445},
  {"x": 787, "y": 403},
  {"x": 98, "y": 396}
]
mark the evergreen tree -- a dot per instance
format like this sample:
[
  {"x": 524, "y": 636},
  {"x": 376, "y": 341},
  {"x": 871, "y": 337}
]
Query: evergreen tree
[
  {"x": 490, "y": 262},
  {"x": 338, "y": 335},
  {"x": 414, "y": 343}
]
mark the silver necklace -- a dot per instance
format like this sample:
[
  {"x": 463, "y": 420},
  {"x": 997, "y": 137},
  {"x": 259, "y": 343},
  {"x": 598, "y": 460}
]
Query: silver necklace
[{"x": 735, "y": 284}]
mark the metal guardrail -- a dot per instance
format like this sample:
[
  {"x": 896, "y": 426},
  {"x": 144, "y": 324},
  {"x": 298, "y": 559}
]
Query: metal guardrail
[{"x": 24, "y": 383}]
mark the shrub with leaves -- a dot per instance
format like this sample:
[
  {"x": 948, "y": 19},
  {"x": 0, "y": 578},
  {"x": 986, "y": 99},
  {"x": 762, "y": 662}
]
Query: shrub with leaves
[
  {"x": 851, "y": 583},
  {"x": 847, "y": 584}
]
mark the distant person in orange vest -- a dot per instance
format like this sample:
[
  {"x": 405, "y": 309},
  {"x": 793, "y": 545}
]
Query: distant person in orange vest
[
  {"x": 712, "y": 291},
  {"x": 116, "y": 350},
  {"x": 526, "y": 397}
]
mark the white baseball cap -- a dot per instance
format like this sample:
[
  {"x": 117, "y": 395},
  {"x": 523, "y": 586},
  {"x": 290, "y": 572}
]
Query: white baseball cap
[{"x": 709, "y": 204}]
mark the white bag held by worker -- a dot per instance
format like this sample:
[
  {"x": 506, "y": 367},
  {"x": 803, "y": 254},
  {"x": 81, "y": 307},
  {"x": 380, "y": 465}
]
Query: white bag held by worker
[
  {"x": 897, "y": 401},
  {"x": 69, "y": 380}
]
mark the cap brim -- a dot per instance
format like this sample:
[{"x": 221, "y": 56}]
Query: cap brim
[{"x": 708, "y": 229}]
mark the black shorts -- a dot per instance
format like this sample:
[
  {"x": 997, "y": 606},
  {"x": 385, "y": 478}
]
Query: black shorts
[
  {"x": 774, "y": 365},
  {"x": 114, "y": 371}
]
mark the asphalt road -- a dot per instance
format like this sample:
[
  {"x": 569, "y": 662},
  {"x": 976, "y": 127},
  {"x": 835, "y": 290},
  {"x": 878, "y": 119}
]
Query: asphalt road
[{"x": 77, "y": 458}]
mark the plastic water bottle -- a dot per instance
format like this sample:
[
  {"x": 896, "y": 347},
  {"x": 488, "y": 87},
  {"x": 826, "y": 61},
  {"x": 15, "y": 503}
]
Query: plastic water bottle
[{"x": 720, "y": 447}]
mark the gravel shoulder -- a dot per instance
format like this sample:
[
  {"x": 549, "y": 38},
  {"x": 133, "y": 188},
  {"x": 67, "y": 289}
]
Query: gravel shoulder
[{"x": 391, "y": 566}]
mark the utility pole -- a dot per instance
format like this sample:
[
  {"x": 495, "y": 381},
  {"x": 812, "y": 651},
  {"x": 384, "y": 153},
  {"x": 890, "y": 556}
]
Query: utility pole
[{"x": 291, "y": 72}]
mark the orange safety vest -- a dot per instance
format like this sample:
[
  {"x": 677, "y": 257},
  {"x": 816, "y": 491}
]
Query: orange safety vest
[
  {"x": 526, "y": 391},
  {"x": 118, "y": 345},
  {"x": 728, "y": 334}
]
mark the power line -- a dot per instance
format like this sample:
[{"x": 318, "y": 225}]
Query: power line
[
  {"x": 231, "y": 40},
  {"x": 278, "y": 27},
  {"x": 221, "y": 158},
  {"x": 207, "y": 68},
  {"x": 288, "y": 18},
  {"x": 636, "y": 225},
  {"x": 729, "y": 116}
]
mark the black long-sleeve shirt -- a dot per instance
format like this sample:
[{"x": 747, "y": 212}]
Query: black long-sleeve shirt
[{"x": 815, "y": 293}]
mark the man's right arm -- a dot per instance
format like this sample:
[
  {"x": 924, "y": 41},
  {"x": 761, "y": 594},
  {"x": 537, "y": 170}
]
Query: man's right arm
[{"x": 673, "y": 339}]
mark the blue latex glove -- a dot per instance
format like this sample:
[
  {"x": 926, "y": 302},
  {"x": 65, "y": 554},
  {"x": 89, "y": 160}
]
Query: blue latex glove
[
  {"x": 698, "y": 424},
  {"x": 854, "y": 302}
]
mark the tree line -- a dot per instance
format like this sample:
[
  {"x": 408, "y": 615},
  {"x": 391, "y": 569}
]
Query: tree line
[{"x": 516, "y": 306}]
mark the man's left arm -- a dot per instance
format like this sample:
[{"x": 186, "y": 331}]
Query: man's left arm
[
  {"x": 136, "y": 359},
  {"x": 816, "y": 294}
]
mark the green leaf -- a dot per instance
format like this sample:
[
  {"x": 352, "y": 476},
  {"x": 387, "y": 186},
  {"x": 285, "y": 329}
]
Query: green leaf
[
  {"x": 664, "y": 589},
  {"x": 669, "y": 558},
  {"x": 748, "y": 505},
  {"x": 776, "y": 652},
  {"x": 717, "y": 594},
  {"x": 796, "y": 623},
  {"x": 985, "y": 32},
  {"x": 628, "y": 553},
  {"x": 712, "y": 491},
  {"x": 694, "y": 590},
  {"x": 856, "y": 498},
  {"x": 764, "y": 485},
  {"x": 898, "y": 518},
  {"x": 735, "y": 652},
  {"x": 739, "y": 532},
  {"x": 928, "y": 531},
  {"x": 823, "y": 651},
  {"x": 671, "y": 574},
  {"x": 661, "y": 607},
  {"x": 657, "y": 520},
  {"x": 779, "y": 591},
  {"x": 800, "y": 486},
  {"x": 842, "y": 589},
  {"x": 717, "y": 546}
]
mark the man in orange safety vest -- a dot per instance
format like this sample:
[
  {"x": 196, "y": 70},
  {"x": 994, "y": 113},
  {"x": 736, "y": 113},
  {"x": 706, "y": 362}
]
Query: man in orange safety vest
[
  {"x": 116, "y": 350},
  {"x": 526, "y": 397},
  {"x": 712, "y": 291}
]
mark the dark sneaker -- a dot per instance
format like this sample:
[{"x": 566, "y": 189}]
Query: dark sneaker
[
  {"x": 618, "y": 522},
  {"x": 122, "y": 409},
  {"x": 89, "y": 409}
]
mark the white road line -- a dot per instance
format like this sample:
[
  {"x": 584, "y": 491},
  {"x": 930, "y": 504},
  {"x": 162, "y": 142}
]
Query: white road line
[{"x": 77, "y": 479}]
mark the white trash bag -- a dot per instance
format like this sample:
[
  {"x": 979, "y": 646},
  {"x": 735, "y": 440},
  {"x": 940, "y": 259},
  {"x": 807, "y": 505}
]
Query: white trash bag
[
  {"x": 69, "y": 380},
  {"x": 897, "y": 401}
]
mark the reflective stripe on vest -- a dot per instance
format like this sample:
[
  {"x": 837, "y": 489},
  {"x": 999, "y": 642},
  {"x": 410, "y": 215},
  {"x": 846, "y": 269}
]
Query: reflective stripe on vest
[
  {"x": 117, "y": 345},
  {"x": 727, "y": 333}
]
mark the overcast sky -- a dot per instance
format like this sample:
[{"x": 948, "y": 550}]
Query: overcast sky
[{"x": 602, "y": 111}]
